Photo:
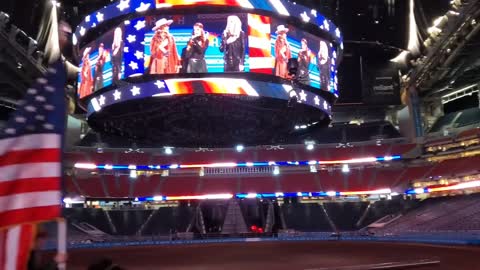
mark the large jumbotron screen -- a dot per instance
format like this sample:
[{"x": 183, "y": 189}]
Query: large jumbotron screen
[{"x": 205, "y": 43}]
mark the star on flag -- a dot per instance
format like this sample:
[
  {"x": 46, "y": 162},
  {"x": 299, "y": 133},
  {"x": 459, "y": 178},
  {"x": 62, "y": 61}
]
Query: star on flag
[
  {"x": 131, "y": 38},
  {"x": 139, "y": 54},
  {"x": 143, "y": 7},
  {"x": 124, "y": 4},
  {"x": 160, "y": 84},
  {"x": 135, "y": 91},
  {"x": 133, "y": 65}
]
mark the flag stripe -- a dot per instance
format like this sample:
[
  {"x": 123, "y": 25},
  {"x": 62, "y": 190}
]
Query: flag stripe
[
  {"x": 25, "y": 244},
  {"x": 11, "y": 256},
  {"x": 33, "y": 141},
  {"x": 30, "y": 199},
  {"x": 3, "y": 248},
  {"x": 37, "y": 214},
  {"x": 30, "y": 170},
  {"x": 29, "y": 185},
  {"x": 30, "y": 156}
]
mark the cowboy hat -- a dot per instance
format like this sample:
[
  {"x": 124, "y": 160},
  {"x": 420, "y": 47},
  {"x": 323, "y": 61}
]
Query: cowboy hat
[
  {"x": 87, "y": 51},
  {"x": 161, "y": 23},
  {"x": 281, "y": 28}
]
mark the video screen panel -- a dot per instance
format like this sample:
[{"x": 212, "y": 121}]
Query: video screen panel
[
  {"x": 102, "y": 62},
  {"x": 204, "y": 43},
  {"x": 272, "y": 43}
]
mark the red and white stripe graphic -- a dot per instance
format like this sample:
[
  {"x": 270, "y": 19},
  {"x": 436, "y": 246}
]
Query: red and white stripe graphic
[{"x": 259, "y": 42}]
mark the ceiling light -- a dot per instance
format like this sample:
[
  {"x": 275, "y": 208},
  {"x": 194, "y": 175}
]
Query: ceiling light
[
  {"x": 239, "y": 148},
  {"x": 168, "y": 150}
]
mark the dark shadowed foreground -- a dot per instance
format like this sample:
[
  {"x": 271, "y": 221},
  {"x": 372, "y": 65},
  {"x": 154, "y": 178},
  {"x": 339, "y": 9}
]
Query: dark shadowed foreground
[{"x": 279, "y": 255}]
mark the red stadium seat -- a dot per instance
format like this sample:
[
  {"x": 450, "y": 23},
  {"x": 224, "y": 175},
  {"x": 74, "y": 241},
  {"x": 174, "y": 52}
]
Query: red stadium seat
[
  {"x": 299, "y": 182},
  {"x": 91, "y": 186},
  {"x": 179, "y": 186},
  {"x": 117, "y": 186},
  {"x": 258, "y": 184},
  {"x": 218, "y": 185},
  {"x": 70, "y": 187},
  {"x": 145, "y": 186}
]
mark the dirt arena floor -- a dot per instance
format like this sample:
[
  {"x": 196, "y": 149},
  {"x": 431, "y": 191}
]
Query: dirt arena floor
[{"x": 280, "y": 255}]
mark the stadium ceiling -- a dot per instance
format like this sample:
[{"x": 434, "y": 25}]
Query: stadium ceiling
[{"x": 451, "y": 57}]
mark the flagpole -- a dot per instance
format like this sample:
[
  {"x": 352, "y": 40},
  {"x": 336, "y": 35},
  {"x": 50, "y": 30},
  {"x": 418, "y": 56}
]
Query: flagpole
[{"x": 61, "y": 244}]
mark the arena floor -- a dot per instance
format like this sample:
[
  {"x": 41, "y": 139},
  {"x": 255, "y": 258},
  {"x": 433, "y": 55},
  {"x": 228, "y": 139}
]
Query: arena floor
[{"x": 279, "y": 255}]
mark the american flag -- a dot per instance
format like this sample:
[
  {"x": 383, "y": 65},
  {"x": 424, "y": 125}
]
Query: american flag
[{"x": 30, "y": 166}]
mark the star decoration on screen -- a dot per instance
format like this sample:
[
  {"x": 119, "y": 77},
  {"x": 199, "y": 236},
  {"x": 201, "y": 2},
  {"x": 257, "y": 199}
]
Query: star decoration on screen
[
  {"x": 32, "y": 91},
  {"x": 20, "y": 119},
  {"x": 140, "y": 25},
  {"x": 160, "y": 84},
  {"x": 82, "y": 31},
  {"x": 87, "y": 18},
  {"x": 337, "y": 32},
  {"x": 314, "y": 13},
  {"x": 48, "y": 126},
  {"x": 99, "y": 16},
  {"x": 327, "y": 25},
  {"x": 325, "y": 105},
  {"x": 101, "y": 100},
  {"x": 334, "y": 54},
  {"x": 74, "y": 39},
  {"x": 133, "y": 65},
  {"x": 125, "y": 49},
  {"x": 10, "y": 131},
  {"x": 131, "y": 38},
  {"x": 135, "y": 91},
  {"x": 94, "y": 25},
  {"x": 317, "y": 101},
  {"x": 127, "y": 22},
  {"x": 124, "y": 4},
  {"x": 139, "y": 54},
  {"x": 143, "y": 7},
  {"x": 30, "y": 108},
  {"x": 117, "y": 95},
  {"x": 305, "y": 17},
  {"x": 303, "y": 96}
]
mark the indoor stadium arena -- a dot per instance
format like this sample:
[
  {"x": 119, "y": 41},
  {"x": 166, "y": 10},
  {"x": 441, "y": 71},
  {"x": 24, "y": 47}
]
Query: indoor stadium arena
[{"x": 239, "y": 134}]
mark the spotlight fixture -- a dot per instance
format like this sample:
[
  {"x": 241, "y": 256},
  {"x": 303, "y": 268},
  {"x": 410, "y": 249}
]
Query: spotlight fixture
[
  {"x": 310, "y": 145},
  {"x": 133, "y": 174},
  {"x": 168, "y": 150},
  {"x": 345, "y": 168},
  {"x": 276, "y": 170},
  {"x": 239, "y": 148}
]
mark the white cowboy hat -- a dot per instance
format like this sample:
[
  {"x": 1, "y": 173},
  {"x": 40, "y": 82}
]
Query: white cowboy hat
[
  {"x": 281, "y": 28},
  {"x": 87, "y": 51},
  {"x": 161, "y": 23}
]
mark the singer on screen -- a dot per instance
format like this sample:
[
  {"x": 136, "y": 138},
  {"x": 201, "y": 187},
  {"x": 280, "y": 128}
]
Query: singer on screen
[
  {"x": 86, "y": 79},
  {"x": 117, "y": 55},
  {"x": 102, "y": 58},
  {"x": 282, "y": 52},
  {"x": 324, "y": 66},
  {"x": 303, "y": 73},
  {"x": 194, "y": 55},
  {"x": 233, "y": 45},
  {"x": 164, "y": 57}
]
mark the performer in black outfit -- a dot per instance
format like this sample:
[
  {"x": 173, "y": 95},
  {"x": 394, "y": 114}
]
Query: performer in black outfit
[
  {"x": 102, "y": 57},
  {"x": 233, "y": 45},
  {"x": 194, "y": 55},
  {"x": 323, "y": 63},
  {"x": 117, "y": 55},
  {"x": 303, "y": 73}
]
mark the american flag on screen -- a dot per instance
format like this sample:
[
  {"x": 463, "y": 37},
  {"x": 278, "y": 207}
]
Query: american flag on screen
[{"x": 30, "y": 166}]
